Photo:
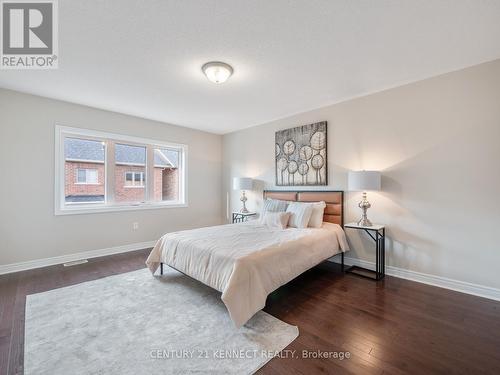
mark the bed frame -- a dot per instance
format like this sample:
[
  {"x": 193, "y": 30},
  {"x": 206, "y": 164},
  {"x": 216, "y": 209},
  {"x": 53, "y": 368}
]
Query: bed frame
[
  {"x": 334, "y": 211},
  {"x": 334, "y": 199}
]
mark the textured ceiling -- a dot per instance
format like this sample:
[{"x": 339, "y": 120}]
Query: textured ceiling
[{"x": 144, "y": 57}]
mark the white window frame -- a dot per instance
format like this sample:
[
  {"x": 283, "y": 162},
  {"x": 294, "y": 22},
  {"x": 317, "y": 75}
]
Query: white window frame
[
  {"x": 87, "y": 176},
  {"x": 63, "y": 208},
  {"x": 134, "y": 186}
]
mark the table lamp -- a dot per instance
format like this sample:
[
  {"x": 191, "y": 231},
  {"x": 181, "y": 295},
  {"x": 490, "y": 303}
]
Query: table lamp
[
  {"x": 364, "y": 181},
  {"x": 243, "y": 183}
]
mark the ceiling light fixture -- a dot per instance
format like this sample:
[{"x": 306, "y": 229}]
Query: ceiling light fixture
[{"x": 217, "y": 72}]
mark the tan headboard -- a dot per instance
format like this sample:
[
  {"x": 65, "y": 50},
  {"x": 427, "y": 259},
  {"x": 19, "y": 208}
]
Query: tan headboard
[{"x": 334, "y": 211}]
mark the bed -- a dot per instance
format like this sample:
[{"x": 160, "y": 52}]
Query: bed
[{"x": 247, "y": 261}]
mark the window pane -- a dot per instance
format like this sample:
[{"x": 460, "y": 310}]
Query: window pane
[
  {"x": 130, "y": 162},
  {"x": 81, "y": 156},
  {"x": 166, "y": 174},
  {"x": 134, "y": 179},
  {"x": 81, "y": 176},
  {"x": 91, "y": 176}
]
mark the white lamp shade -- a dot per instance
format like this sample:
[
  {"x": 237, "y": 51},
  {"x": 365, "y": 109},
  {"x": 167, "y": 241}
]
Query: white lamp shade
[
  {"x": 242, "y": 183},
  {"x": 364, "y": 180}
]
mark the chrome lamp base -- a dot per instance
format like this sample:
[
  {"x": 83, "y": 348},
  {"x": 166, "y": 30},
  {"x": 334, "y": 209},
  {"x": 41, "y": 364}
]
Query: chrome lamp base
[
  {"x": 364, "y": 205},
  {"x": 243, "y": 200}
]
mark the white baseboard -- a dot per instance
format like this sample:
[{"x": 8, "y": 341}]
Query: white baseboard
[
  {"x": 442, "y": 282},
  {"x": 38, "y": 263}
]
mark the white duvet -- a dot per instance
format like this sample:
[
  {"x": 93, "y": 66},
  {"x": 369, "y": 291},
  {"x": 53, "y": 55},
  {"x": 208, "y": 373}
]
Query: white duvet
[{"x": 246, "y": 261}]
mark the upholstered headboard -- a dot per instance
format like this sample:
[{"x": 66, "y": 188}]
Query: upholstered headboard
[{"x": 334, "y": 211}]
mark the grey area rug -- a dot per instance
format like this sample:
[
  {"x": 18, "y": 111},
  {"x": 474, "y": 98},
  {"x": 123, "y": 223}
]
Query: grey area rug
[{"x": 136, "y": 323}]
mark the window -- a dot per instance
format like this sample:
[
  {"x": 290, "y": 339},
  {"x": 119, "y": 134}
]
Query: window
[
  {"x": 98, "y": 171},
  {"x": 86, "y": 176},
  {"x": 134, "y": 179},
  {"x": 166, "y": 176},
  {"x": 130, "y": 172},
  {"x": 83, "y": 170}
]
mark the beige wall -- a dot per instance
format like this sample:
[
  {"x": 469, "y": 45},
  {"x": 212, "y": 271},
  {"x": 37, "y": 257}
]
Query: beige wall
[
  {"x": 437, "y": 143},
  {"x": 28, "y": 228}
]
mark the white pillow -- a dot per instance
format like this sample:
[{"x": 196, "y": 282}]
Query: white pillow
[
  {"x": 275, "y": 205},
  {"x": 316, "y": 220},
  {"x": 301, "y": 213},
  {"x": 276, "y": 219},
  {"x": 272, "y": 205}
]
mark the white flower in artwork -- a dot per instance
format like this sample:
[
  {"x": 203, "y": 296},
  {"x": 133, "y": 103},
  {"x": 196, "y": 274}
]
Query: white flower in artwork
[
  {"x": 317, "y": 161},
  {"x": 305, "y": 153},
  {"x": 318, "y": 141},
  {"x": 277, "y": 149},
  {"x": 292, "y": 168},
  {"x": 288, "y": 147},
  {"x": 303, "y": 169}
]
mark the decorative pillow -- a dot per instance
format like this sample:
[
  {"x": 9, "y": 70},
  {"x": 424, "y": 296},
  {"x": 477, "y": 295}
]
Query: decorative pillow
[
  {"x": 273, "y": 205},
  {"x": 316, "y": 219},
  {"x": 276, "y": 219},
  {"x": 301, "y": 213}
]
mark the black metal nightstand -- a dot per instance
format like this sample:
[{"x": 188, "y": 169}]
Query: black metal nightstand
[
  {"x": 240, "y": 217},
  {"x": 377, "y": 233}
]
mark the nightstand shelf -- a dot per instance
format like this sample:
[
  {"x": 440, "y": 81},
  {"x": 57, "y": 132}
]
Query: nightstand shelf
[
  {"x": 377, "y": 234},
  {"x": 240, "y": 217}
]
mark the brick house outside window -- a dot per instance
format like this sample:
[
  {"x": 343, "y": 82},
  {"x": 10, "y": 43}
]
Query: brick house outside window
[{"x": 85, "y": 172}]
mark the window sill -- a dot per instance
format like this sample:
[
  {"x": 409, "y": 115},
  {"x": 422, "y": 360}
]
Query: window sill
[{"x": 129, "y": 207}]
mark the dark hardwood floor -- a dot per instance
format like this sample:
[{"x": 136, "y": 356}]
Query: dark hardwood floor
[{"x": 390, "y": 327}]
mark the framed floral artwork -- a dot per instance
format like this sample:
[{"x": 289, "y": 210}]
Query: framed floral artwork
[{"x": 301, "y": 155}]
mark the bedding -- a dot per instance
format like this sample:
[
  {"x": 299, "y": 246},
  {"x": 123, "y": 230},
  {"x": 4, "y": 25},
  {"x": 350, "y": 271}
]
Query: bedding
[
  {"x": 300, "y": 214},
  {"x": 276, "y": 219},
  {"x": 246, "y": 261},
  {"x": 275, "y": 205},
  {"x": 317, "y": 214}
]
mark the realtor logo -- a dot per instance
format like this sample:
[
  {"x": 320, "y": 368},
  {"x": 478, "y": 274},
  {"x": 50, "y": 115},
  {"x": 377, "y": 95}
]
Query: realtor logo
[{"x": 29, "y": 34}]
